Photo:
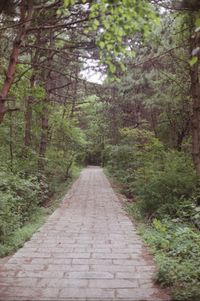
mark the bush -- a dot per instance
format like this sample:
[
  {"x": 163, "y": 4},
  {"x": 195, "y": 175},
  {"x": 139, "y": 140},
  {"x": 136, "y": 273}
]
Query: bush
[
  {"x": 121, "y": 166},
  {"x": 20, "y": 197},
  {"x": 164, "y": 185},
  {"x": 161, "y": 186},
  {"x": 160, "y": 179},
  {"x": 177, "y": 254},
  {"x": 18, "y": 236},
  {"x": 9, "y": 219}
]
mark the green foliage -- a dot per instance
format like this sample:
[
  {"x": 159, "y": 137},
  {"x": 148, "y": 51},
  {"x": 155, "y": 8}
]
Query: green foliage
[
  {"x": 112, "y": 22},
  {"x": 177, "y": 253},
  {"x": 16, "y": 238},
  {"x": 163, "y": 183},
  {"x": 67, "y": 148},
  {"x": 193, "y": 60},
  {"x": 20, "y": 197},
  {"x": 117, "y": 20},
  {"x": 160, "y": 184},
  {"x": 176, "y": 250},
  {"x": 125, "y": 158},
  {"x": 93, "y": 124},
  {"x": 68, "y": 2},
  {"x": 15, "y": 231},
  {"x": 160, "y": 179}
]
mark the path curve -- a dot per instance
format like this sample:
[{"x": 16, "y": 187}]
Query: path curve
[{"x": 87, "y": 250}]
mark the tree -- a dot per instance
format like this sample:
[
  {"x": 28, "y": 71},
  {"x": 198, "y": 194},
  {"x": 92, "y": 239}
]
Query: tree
[{"x": 26, "y": 13}]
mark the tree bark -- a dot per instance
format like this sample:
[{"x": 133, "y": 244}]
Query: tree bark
[
  {"x": 195, "y": 94},
  {"x": 26, "y": 12},
  {"x": 45, "y": 114},
  {"x": 28, "y": 115},
  {"x": 43, "y": 138},
  {"x": 11, "y": 143}
]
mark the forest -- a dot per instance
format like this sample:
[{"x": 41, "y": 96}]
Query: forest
[{"x": 140, "y": 120}]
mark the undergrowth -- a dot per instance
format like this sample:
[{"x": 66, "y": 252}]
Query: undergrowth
[
  {"x": 164, "y": 190},
  {"x": 18, "y": 234},
  {"x": 176, "y": 250}
]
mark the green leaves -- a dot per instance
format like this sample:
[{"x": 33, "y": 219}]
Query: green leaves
[
  {"x": 101, "y": 44},
  {"x": 112, "y": 67},
  {"x": 95, "y": 24},
  {"x": 177, "y": 255},
  {"x": 197, "y": 22},
  {"x": 114, "y": 22},
  {"x": 69, "y": 2},
  {"x": 193, "y": 60}
]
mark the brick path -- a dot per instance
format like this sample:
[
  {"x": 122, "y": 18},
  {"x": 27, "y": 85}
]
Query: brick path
[{"x": 87, "y": 250}]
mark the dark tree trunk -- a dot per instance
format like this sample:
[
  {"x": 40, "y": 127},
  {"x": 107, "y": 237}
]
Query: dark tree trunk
[
  {"x": 43, "y": 138},
  {"x": 26, "y": 12},
  {"x": 11, "y": 143},
  {"x": 28, "y": 121},
  {"x": 28, "y": 115},
  {"x": 45, "y": 112},
  {"x": 195, "y": 94}
]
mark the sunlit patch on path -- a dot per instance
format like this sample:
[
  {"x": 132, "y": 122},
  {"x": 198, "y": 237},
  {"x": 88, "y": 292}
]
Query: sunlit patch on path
[{"x": 87, "y": 250}]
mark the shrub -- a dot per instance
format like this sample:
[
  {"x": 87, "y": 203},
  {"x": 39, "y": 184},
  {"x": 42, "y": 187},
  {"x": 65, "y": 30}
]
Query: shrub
[
  {"x": 19, "y": 197},
  {"x": 160, "y": 179},
  {"x": 177, "y": 254},
  {"x": 161, "y": 186},
  {"x": 9, "y": 218},
  {"x": 164, "y": 185}
]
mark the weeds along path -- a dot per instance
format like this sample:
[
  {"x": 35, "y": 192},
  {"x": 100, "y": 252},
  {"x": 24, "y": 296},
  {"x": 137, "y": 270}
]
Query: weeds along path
[{"x": 87, "y": 250}]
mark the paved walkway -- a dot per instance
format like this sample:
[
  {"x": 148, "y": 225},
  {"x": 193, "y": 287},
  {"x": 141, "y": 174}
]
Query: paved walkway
[{"x": 87, "y": 250}]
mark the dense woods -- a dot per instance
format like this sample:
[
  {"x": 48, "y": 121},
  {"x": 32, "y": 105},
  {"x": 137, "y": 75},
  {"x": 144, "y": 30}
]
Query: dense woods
[{"x": 141, "y": 121}]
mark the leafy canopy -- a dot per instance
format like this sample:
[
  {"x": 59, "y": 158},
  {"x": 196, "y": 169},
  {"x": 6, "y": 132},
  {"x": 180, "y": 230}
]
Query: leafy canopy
[{"x": 114, "y": 21}]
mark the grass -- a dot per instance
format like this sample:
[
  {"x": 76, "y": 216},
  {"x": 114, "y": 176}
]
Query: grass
[{"x": 17, "y": 239}]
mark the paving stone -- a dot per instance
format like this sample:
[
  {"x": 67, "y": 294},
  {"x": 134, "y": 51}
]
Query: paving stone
[
  {"x": 137, "y": 294},
  {"x": 92, "y": 261},
  {"x": 126, "y": 251},
  {"x": 112, "y": 255},
  {"x": 71, "y": 255},
  {"x": 69, "y": 268},
  {"x": 32, "y": 255},
  {"x": 89, "y": 275},
  {"x": 41, "y": 274},
  {"x": 62, "y": 283},
  {"x": 19, "y": 260},
  {"x": 21, "y": 282},
  {"x": 30, "y": 293},
  {"x": 130, "y": 262},
  {"x": 87, "y": 250},
  {"x": 24, "y": 267},
  {"x": 112, "y": 268},
  {"x": 6, "y": 273},
  {"x": 49, "y": 261},
  {"x": 113, "y": 283},
  {"x": 135, "y": 275},
  {"x": 87, "y": 293}
]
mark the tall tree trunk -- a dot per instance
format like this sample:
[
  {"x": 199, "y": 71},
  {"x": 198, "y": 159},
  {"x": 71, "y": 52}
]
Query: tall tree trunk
[
  {"x": 195, "y": 94},
  {"x": 26, "y": 12},
  {"x": 29, "y": 100},
  {"x": 45, "y": 112},
  {"x": 28, "y": 121},
  {"x": 43, "y": 138},
  {"x": 11, "y": 143},
  {"x": 28, "y": 115},
  {"x": 75, "y": 92}
]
